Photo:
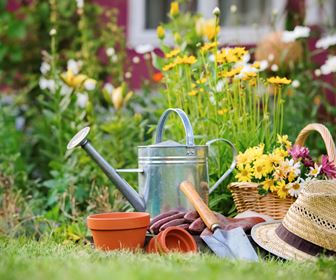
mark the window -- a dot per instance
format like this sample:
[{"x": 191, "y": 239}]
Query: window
[
  {"x": 247, "y": 26},
  {"x": 157, "y": 11},
  {"x": 248, "y": 12}
]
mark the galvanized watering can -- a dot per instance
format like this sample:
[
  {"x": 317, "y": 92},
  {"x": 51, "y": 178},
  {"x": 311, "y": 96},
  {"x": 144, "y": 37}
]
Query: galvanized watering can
[{"x": 161, "y": 168}]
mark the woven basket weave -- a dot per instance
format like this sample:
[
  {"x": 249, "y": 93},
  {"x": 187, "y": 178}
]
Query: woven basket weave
[{"x": 246, "y": 196}]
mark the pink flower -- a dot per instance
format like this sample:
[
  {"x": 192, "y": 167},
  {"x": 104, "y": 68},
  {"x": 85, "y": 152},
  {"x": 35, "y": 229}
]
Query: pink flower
[
  {"x": 301, "y": 153},
  {"x": 328, "y": 167}
]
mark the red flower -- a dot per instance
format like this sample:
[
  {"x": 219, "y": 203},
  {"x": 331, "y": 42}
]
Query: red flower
[{"x": 157, "y": 77}]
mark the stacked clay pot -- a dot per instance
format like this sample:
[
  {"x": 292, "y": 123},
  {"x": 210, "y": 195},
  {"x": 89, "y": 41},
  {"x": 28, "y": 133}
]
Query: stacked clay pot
[{"x": 172, "y": 239}]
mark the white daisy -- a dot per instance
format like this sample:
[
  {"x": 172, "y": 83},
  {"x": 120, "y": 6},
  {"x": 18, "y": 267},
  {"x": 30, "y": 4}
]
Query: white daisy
[
  {"x": 296, "y": 187},
  {"x": 314, "y": 171}
]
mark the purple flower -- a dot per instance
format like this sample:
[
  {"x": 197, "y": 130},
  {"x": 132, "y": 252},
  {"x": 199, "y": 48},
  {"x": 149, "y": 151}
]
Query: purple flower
[
  {"x": 328, "y": 167},
  {"x": 308, "y": 162},
  {"x": 301, "y": 153}
]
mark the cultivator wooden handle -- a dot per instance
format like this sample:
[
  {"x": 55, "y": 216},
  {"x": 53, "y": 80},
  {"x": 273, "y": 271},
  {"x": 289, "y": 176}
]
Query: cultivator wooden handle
[{"x": 203, "y": 210}]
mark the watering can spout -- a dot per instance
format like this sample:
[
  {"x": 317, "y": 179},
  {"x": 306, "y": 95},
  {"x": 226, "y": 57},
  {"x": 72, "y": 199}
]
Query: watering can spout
[{"x": 131, "y": 195}]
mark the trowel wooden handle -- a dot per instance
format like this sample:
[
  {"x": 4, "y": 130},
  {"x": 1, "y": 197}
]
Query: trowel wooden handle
[{"x": 208, "y": 217}]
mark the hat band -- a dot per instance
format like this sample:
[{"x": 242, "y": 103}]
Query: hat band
[{"x": 301, "y": 244}]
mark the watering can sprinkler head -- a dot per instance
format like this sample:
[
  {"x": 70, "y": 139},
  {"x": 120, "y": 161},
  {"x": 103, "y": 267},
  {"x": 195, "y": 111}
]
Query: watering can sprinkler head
[{"x": 79, "y": 139}]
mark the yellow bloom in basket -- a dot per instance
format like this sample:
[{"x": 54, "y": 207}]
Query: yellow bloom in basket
[
  {"x": 291, "y": 176},
  {"x": 281, "y": 153},
  {"x": 242, "y": 159},
  {"x": 174, "y": 9},
  {"x": 258, "y": 150},
  {"x": 283, "y": 140},
  {"x": 282, "y": 189},
  {"x": 269, "y": 184},
  {"x": 262, "y": 167},
  {"x": 278, "y": 81},
  {"x": 244, "y": 174}
]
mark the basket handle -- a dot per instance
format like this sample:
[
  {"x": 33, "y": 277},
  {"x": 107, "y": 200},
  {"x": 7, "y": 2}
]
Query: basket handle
[{"x": 326, "y": 136}]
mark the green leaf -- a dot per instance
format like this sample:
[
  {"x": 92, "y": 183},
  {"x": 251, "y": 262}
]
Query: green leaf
[
  {"x": 158, "y": 62},
  {"x": 16, "y": 30}
]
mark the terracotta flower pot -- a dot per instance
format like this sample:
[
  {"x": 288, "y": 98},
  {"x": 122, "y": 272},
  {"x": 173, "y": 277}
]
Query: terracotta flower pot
[
  {"x": 119, "y": 230},
  {"x": 172, "y": 239}
]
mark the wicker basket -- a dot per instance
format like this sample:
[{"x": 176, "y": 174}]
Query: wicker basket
[{"x": 246, "y": 196}]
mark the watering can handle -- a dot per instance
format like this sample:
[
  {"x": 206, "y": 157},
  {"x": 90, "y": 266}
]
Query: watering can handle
[
  {"x": 186, "y": 123},
  {"x": 232, "y": 166}
]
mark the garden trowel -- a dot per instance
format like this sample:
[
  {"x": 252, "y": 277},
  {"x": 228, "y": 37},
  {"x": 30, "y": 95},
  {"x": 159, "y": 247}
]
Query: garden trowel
[{"x": 232, "y": 243}]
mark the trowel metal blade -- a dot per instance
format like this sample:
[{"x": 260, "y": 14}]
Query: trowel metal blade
[
  {"x": 238, "y": 243},
  {"x": 219, "y": 248}
]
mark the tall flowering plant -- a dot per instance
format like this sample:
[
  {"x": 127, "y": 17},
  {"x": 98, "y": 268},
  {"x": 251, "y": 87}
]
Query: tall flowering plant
[
  {"x": 219, "y": 87},
  {"x": 284, "y": 169}
]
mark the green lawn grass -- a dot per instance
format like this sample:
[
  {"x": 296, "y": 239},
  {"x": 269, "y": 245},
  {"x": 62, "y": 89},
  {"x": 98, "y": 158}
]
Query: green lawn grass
[{"x": 47, "y": 260}]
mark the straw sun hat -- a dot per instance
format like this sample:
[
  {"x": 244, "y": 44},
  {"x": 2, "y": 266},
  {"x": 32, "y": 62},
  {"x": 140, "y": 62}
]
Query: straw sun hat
[{"x": 309, "y": 227}]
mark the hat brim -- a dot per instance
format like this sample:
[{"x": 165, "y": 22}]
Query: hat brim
[{"x": 264, "y": 235}]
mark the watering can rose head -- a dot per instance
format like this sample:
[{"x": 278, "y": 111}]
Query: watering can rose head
[{"x": 161, "y": 168}]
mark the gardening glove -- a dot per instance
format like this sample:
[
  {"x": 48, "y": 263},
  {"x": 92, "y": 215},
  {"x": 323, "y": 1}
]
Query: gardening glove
[
  {"x": 168, "y": 219},
  {"x": 231, "y": 223}
]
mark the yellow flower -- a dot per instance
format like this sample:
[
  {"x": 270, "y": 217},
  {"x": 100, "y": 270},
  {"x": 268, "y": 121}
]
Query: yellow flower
[
  {"x": 185, "y": 60},
  {"x": 168, "y": 66},
  {"x": 258, "y": 150},
  {"x": 283, "y": 140},
  {"x": 277, "y": 80},
  {"x": 256, "y": 65},
  {"x": 253, "y": 82},
  {"x": 192, "y": 93},
  {"x": 262, "y": 166},
  {"x": 72, "y": 80},
  {"x": 201, "y": 81},
  {"x": 160, "y": 32},
  {"x": 291, "y": 176},
  {"x": 269, "y": 184},
  {"x": 207, "y": 28},
  {"x": 230, "y": 55},
  {"x": 231, "y": 73},
  {"x": 208, "y": 46},
  {"x": 172, "y": 53},
  {"x": 174, "y": 9},
  {"x": 282, "y": 189},
  {"x": 221, "y": 112},
  {"x": 279, "y": 152},
  {"x": 239, "y": 52},
  {"x": 244, "y": 174},
  {"x": 119, "y": 97},
  {"x": 250, "y": 74},
  {"x": 242, "y": 159}
]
